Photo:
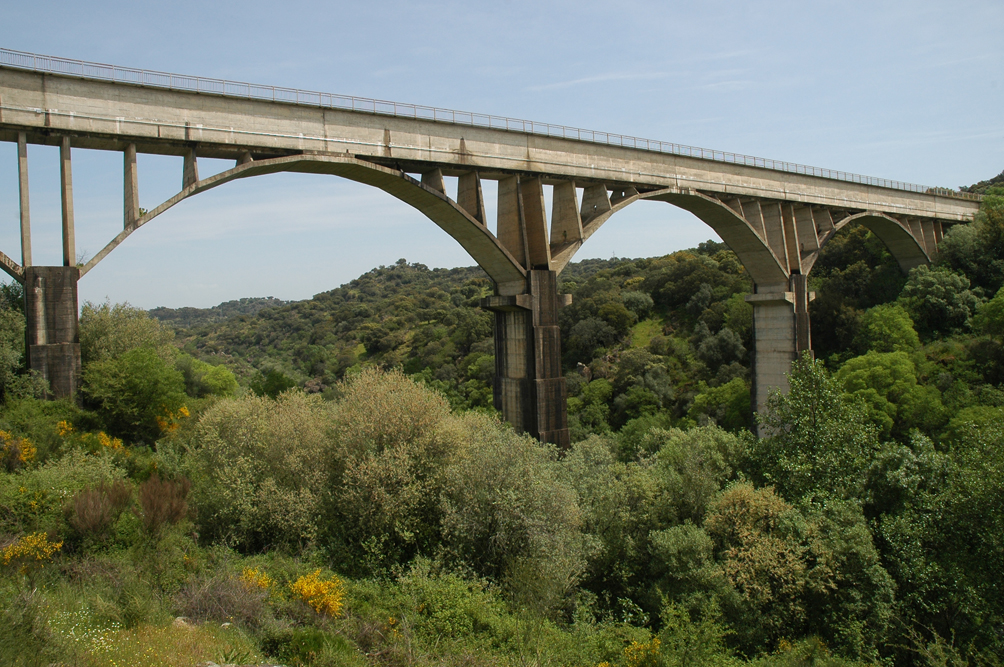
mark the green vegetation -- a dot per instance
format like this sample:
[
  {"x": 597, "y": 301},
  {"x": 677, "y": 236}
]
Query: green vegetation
[{"x": 325, "y": 482}]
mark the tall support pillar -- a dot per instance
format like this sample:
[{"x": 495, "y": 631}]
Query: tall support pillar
[
  {"x": 53, "y": 350},
  {"x": 529, "y": 390},
  {"x": 781, "y": 333},
  {"x": 22, "y": 182},
  {"x": 66, "y": 188}
]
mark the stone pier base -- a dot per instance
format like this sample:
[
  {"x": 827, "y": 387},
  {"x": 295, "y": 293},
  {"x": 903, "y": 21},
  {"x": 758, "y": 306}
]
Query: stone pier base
[
  {"x": 780, "y": 335},
  {"x": 529, "y": 390},
  {"x": 53, "y": 345}
]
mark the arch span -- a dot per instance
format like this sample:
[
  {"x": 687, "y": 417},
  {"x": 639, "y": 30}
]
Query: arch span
[
  {"x": 896, "y": 235},
  {"x": 760, "y": 261},
  {"x": 475, "y": 238}
]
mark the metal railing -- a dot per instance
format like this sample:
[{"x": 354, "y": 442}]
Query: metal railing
[{"x": 198, "y": 84}]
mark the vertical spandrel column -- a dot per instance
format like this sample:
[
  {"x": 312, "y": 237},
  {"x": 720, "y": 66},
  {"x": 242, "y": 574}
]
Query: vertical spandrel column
[
  {"x": 22, "y": 181},
  {"x": 130, "y": 188},
  {"x": 66, "y": 190}
]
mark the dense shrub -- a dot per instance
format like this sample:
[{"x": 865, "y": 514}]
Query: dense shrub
[
  {"x": 162, "y": 502},
  {"x": 224, "y": 598},
  {"x": 509, "y": 516},
  {"x": 35, "y": 499},
  {"x": 259, "y": 469},
  {"x": 92, "y": 511},
  {"x": 392, "y": 440}
]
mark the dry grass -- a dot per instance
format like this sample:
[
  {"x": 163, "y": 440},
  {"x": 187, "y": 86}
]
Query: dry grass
[{"x": 224, "y": 599}]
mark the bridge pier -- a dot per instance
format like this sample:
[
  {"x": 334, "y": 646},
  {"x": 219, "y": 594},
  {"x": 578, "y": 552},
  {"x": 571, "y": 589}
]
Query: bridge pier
[
  {"x": 53, "y": 344},
  {"x": 528, "y": 388},
  {"x": 781, "y": 332}
]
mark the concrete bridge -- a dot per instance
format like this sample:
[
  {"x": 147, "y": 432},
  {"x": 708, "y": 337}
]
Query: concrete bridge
[{"x": 776, "y": 216}]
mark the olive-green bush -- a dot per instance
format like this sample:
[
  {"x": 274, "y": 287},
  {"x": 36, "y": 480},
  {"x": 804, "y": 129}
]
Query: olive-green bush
[{"x": 258, "y": 467}]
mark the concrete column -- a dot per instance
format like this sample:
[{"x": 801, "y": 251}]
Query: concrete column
[
  {"x": 130, "y": 188},
  {"x": 66, "y": 183},
  {"x": 529, "y": 390},
  {"x": 22, "y": 181},
  {"x": 50, "y": 300},
  {"x": 781, "y": 332},
  {"x": 190, "y": 170}
]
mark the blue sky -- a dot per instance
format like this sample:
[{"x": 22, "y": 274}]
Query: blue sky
[{"x": 911, "y": 91}]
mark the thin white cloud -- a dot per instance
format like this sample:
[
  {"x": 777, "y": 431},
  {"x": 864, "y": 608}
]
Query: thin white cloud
[{"x": 601, "y": 78}]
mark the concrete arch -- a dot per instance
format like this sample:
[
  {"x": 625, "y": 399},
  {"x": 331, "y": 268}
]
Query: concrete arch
[
  {"x": 475, "y": 238},
  {"x": 896, "y": 235},
  {"x": 760, "y": 261},
  {"x": 562, "y": 254}
]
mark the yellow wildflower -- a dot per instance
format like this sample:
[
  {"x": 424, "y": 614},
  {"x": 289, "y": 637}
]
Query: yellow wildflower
[
  {"x": 64, "y": 428},
  {"x": 643, "y": 654},
  {"x": 255, "y": 578},
  {"x": 33, "y": 549},
  {"x": 325, "y": 596},
  {"x": 21, "y": 450}
]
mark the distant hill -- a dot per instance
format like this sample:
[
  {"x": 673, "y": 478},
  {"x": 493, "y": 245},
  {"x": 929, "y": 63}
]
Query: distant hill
[{"x": 186, "y": 318}]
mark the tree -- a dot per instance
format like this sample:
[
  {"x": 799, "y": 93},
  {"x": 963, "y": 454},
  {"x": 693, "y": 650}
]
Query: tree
[
  {"x": 726, "y": 405},
  {"x": 587, "y": 335},
  {"x": 817, "y": 441},
  {"x": 202, "y": 379},
  {"x": 887, "y": 328},
  {"x": 939, "y": 300},
  {"x": 130, "y": 392},
  {"x": 639, "y": 303},
  {"x": 722, "y": 348},
  {"x": 108, "y": 331},
  {"x": 271, "y": 384},
  {"x": 977, "y": 249},
  {"x": 990, "y": 319},
  {"x": 886, "y": 382}
]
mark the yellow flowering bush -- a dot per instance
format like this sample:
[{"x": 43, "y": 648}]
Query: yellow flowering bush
[
  {"x": 28, "y": 551},
  {"x": 324, "y": 595},
  {"x": 16, "y": 452},
  {"x": 643, "y": 654},
  {"x": 93, "y": 442},
  {"x": 170, "y": 421},
  {"x": 255, "y": 578},
  {"x": 101, "y": 440}
]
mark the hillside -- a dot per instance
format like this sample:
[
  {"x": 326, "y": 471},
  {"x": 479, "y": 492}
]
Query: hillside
[{"x": 186, "y": 318}]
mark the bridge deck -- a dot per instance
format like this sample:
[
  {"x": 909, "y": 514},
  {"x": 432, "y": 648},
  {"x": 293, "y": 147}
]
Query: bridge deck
[{"x": 108, "y": 115}]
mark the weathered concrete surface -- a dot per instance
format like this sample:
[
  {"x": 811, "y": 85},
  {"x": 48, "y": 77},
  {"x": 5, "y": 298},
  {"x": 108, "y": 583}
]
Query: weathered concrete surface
[
  {"x": 529, "y": 390},
  {"x": 53, "y": 344}
]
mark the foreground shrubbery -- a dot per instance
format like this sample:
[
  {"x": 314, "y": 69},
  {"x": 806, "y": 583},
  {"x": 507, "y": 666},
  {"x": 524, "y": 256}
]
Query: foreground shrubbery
[{"x": 382, "y": 528}]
